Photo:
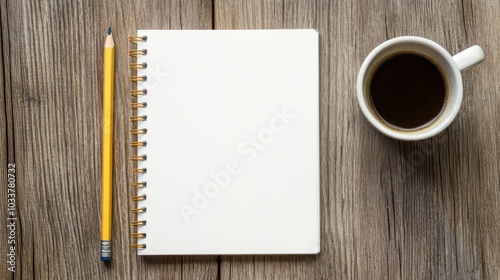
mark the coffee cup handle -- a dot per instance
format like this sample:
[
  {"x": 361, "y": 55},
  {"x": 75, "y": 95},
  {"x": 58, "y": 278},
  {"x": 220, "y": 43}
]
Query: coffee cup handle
[{"x": 469, "y": 58}]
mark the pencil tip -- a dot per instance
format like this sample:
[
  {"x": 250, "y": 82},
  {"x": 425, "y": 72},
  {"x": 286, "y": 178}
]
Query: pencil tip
[{"x": 109, "y": 30}]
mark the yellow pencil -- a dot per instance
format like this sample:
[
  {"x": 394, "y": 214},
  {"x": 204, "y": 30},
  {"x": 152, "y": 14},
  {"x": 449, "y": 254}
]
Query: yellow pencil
[{"x": 107, "y": 147}]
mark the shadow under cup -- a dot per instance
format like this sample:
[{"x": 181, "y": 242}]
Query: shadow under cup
[{"x": 427, "y": 49}]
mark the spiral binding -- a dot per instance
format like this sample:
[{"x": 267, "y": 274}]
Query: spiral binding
[{"x": 136, "y": 144}]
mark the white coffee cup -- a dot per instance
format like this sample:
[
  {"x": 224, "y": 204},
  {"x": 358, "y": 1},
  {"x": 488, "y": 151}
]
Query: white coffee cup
[{"x": 451, "y": 67}]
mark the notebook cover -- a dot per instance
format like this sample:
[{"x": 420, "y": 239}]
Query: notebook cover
[{"x": 232, "y": 142}]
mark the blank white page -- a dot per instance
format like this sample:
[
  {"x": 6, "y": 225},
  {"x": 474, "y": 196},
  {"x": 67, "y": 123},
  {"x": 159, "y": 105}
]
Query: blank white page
[{"x": 232, "y": 142}]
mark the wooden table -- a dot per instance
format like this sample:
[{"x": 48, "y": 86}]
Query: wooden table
[{"x": 390, "y": 209}]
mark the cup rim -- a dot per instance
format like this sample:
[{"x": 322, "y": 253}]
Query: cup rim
[{"x": 425, "y": 133}]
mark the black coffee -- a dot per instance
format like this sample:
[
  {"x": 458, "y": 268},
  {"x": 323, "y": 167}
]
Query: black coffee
[{"x": 408, "y": 91}]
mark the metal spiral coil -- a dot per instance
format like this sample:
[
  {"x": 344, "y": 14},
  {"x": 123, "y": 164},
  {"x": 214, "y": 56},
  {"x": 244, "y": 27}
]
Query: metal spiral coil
[
  {"x": 136, "y": 132},
  {"x": 137, "y": 39}
]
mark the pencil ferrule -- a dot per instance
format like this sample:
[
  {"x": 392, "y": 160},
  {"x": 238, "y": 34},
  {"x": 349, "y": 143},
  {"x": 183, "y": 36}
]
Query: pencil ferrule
[{"x": 105, "y": 249}]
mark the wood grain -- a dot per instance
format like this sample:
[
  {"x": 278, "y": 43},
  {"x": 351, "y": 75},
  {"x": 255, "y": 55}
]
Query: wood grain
[
  {"x": 6, "y": 135},
  {"x": 56, "y": 47},
  {"x": 390, "y": 209}
]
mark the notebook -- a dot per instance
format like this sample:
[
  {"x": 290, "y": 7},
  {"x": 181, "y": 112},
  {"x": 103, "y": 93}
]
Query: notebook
[{"x": 225, "y": 130}]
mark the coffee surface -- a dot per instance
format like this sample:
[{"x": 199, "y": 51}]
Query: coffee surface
[{"x": 408, "y": 91}]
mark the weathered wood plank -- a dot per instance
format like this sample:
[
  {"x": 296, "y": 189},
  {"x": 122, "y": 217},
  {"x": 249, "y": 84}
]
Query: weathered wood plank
[
  {"x": 56, "y": 68},
  {"x": 8, "y": 235},
  {"x": 392, "y": 209}
]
